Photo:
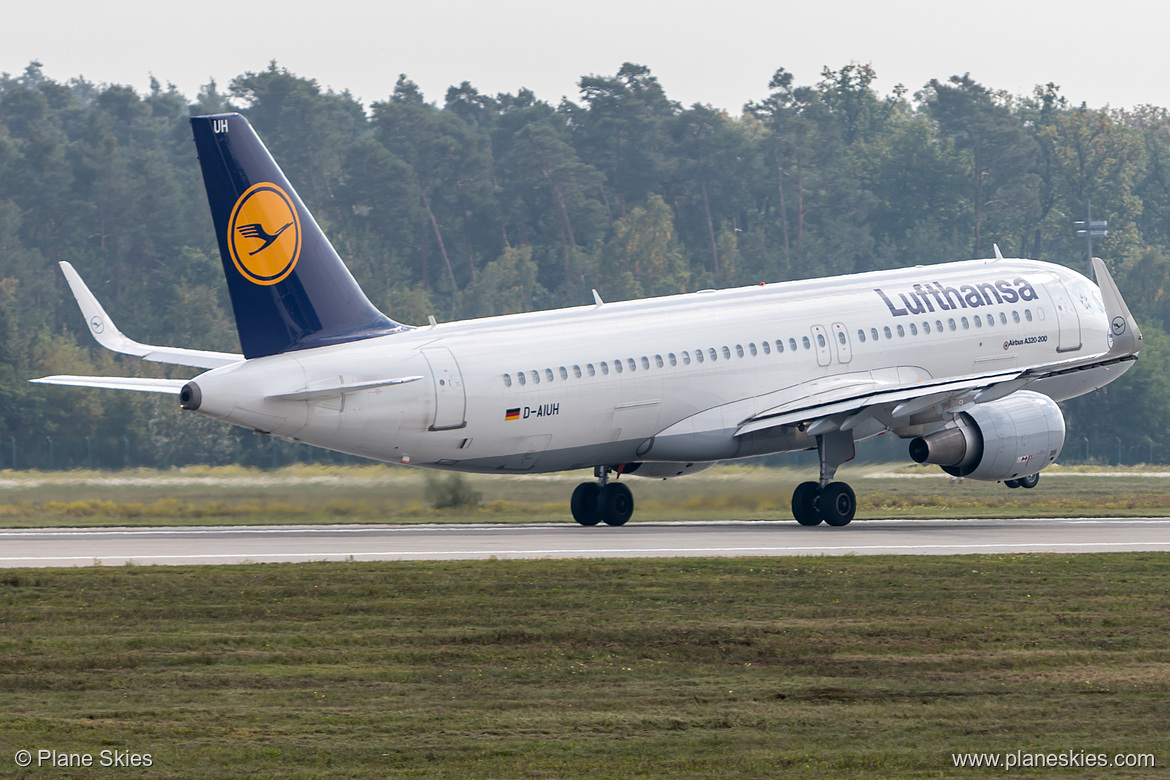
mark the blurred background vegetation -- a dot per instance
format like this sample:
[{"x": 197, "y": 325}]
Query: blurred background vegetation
[{"x": 474, "y": 205}]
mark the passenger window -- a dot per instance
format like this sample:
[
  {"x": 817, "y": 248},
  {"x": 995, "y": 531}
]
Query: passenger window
[
  {"x": 951, "y": 323},
  {"x": 577, "y": 371},
  {"x": 767, "y": 347},
  {"x": 792, "y": 343},
  {"x": 727, "y": 353},
  {"x": 548, "y": 374},
  {"x": 752, "y": 348},
  {"x": 901, "y": 332},
  {"x": 913, "y": 329},
  {"x": 739, "y": 350},
  {"x": 873, "y": 333},
  {"x": 780, "y": 345},
  {"x": 564, "y": 373},
  {"x": 633, "y": 365},
  {"x": 938, "y": 325},
  {"x": 1028, "y": 314},
  {"x": 673, "y": 360},
  {"x": 926, "y": 327},
  {"x": 978, "y": 321},
  {"x": 990, "y": 320},
  {"x": 806, "y": 342},
  {"x": 617, "y": 365},
  {"x": 699, "y": 355},
  {"x": 1002, "y": 318},
  {"x": 592, "y": 371},
  {"x": 1015, "y": 316},
  {"x": 686, "y": 356},
  {"x": 841, "y": 337},
  {"x": 860, "y": 335},
  {"x": 966, "y": 325},
  {"x": 507, "y": 380},
  {"x": 714, "y": 355},
  {"x": 658, "y": 361},
  {"x": 821, "y": 340},
  {"x": 536, "y": 377},
  {"x": 604, "y": 368},
  {"x": 886, "y": 330},
  {"x": 520, "y": 376}
]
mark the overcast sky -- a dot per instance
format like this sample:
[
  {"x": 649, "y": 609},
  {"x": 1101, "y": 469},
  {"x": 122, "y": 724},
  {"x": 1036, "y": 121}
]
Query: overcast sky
[{"x": 718, "y": 52}]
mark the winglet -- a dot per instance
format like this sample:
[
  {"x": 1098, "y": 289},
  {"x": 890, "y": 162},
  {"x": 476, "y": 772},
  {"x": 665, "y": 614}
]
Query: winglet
[
  {"x": 107, "y": 334},
  {"x": 1125, "y": 336}
]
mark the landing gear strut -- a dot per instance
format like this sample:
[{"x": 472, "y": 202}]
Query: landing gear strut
[
  {"x": 596, "y": 502},
  {"x": 827, "y": 501}
]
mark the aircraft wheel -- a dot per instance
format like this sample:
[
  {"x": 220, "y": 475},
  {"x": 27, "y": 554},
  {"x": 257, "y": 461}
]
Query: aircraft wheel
[
  {"x": 617, "y": 504},
  {"x": 804, "y": 503},
  {"x": 1029, "y": 481},
  {"x": 838, "y": 504},
  {"x": 1012, "y": 483},
  {"x": 584, "y": 503}
]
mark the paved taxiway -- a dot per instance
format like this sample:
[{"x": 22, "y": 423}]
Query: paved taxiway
[{"x": 256, "y": 544}]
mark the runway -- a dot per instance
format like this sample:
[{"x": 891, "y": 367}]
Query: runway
[{"x": 66, "y": 547}]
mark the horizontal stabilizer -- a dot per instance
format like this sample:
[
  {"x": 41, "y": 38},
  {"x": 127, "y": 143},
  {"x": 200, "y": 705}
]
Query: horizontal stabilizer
[
  {"x": 336, "y": 390},
  {"x": 107, "y": 334},
  {"x": 171, "y": 386}
]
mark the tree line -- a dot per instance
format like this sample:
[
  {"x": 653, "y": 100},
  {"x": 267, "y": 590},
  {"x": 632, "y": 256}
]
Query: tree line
[{"x": 476, "y": 205}]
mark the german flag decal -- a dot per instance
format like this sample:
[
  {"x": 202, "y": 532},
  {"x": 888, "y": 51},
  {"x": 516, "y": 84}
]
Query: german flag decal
[{"x": 512, "y": 414}]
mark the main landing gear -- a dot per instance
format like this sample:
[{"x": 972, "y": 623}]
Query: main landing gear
[
  {"x": 827, "y": 501},
  {"x": 596, "y": 502},
  {"x": 1029, "y": 481}
]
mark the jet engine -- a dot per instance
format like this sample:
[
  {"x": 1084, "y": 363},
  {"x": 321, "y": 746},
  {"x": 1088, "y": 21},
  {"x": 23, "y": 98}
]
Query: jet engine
[{"x": 1007, "y": 439}]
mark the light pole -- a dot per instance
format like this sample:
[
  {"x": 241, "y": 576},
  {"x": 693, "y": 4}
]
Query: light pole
[{"x": 1091, "y": 229}]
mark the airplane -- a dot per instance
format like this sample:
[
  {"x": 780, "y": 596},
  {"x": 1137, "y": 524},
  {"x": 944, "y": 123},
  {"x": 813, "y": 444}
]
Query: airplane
[{"x": 966, "y": 360}]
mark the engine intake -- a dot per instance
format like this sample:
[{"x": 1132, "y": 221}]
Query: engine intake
[{"x": 1010, "y": 438}]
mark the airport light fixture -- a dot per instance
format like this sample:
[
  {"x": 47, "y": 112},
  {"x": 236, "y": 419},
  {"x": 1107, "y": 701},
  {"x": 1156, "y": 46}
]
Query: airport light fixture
[{"x": 1090, "y": 229}]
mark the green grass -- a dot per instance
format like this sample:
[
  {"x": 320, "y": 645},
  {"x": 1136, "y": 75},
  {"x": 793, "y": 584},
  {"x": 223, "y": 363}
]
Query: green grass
[
  {"x": 303, "y": 494},
  {"x": 808, "y": 667}
]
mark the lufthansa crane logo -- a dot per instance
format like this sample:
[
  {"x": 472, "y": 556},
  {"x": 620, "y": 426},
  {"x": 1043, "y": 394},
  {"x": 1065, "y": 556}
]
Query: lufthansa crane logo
[{"x": 264, "y": 234}]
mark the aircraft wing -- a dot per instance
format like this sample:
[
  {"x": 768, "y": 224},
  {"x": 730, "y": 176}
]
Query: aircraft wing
[
  {"x": 843, "y": 404},
  {"x": 108, "y": 335},
  {"x": 171, "y": 386}
]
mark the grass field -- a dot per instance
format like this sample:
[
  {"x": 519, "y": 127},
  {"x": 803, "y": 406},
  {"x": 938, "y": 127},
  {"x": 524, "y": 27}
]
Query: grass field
[
  {"x": 812, "y": 667},
  {"x": 204, "y": 496}
]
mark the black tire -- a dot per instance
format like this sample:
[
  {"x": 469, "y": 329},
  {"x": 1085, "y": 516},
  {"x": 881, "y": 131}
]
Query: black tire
[
  {"x": 838, "y": 504},
  {"x": 804, "y": 503},
  {"x": 584, "y": 505},
  {"x": 1030, "y": 481},
  {"x": 617, "y": 504},
  {"x": 1012, "y": 483}
]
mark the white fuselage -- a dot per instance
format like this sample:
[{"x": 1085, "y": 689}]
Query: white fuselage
[{"x": 664, "y": 379}]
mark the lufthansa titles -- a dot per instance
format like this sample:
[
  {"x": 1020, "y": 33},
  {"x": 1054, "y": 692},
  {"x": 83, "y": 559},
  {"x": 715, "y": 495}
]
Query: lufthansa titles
[{"x": 935, "y": 296}]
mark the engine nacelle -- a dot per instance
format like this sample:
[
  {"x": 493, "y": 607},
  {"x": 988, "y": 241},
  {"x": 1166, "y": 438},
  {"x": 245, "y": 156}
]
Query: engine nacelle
[
  {"x": 666, "y": 469},
  {"x": 1010, "y": 438}
]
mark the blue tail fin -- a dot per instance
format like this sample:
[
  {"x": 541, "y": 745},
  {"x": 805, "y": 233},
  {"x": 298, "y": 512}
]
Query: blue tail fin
[{"x": 289, "y": 289}]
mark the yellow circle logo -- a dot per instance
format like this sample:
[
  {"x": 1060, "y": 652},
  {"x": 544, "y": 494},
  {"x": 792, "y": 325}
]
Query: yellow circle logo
[{"x": 264, "y": 234}]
